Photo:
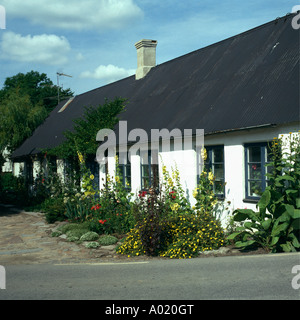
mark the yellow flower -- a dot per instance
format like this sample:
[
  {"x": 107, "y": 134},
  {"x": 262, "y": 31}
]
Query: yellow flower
[
  {"x": 203, "y": 154},
  {"x": 170, "y": 182},
  {"x": 80, "y": 157},
  {"x": 195, "y": 193},
  {"x": 174, "y": 206},
  {"x": 92, "y": 177},
  {"x": 210, "y": 176}
]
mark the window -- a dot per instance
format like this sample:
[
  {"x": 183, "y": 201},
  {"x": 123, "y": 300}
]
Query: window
[
  {"x": 215, "y": 163},
  {"x": 257, "y": 155},
  {"x": 93, "y": 166},
  {"x": 149, "y": 169},
  {"x": 29, "y": 171},
  {"x": 124, "y": 172}
]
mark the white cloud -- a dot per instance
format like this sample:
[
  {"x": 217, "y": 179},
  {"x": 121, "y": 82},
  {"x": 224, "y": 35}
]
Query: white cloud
[
  {"x": 76, "y": 14},
  {"x": 108, "y": 73},
  {"x": 46, "y": 49}
]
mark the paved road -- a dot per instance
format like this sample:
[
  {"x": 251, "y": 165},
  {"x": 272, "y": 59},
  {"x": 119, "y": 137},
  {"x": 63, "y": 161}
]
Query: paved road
[{"x": 240, "y": 277}]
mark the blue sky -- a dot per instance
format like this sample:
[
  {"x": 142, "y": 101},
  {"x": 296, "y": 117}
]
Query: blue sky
[{"x": 93, "y": 40}]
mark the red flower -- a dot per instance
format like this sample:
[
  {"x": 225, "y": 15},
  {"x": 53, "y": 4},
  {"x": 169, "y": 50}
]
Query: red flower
[
  {"x": 172, "y": 194},
  {"x": 142, "y": 194},
  {"x": 96, "y": 207},
  {"x": 102, "y": 221}
]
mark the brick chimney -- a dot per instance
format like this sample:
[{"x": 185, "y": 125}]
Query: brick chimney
[{"x": 146, "y": 57}]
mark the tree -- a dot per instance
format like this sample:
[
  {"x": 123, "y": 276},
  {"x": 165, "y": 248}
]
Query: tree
[
  {"x": 18, "y": 118},
  {"x": 83, "y": 137},
  {"x": 38, "y": 86},
  {"x": 25, "y": 101}
]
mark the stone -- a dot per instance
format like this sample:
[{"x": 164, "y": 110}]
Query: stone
[
  {"x": 110, "y": 247},
  {"x": 221, "y": 250}
]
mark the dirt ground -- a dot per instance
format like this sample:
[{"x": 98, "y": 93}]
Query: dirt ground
[{"x": 25, "y": 238}]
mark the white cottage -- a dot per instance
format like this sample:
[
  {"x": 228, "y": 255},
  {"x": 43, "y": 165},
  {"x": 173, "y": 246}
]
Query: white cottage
[{"x": 242, "y": 92}]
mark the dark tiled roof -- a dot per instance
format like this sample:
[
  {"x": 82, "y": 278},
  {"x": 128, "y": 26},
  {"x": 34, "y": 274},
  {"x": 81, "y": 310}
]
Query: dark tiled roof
[{"x": 248, "y": 80}]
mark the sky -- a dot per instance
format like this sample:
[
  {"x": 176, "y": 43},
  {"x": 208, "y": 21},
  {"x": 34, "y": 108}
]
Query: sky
[{"x": 93, "y": 40}]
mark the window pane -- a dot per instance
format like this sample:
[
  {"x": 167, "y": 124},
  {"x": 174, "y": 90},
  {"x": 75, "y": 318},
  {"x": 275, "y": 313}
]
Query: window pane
[
  {"x": 269, "y": 169},
  {"x": 269, "y": 154},
  {"x": 254, "y": 154},
  {"x": 128, "y": 170},
  {"x": 121, "y": 171},
  {"x": 218, "y": 155},
  {"x": 255, "y": 188},
  {"x": 145, "y": 183},
  {"x": 255, "y": 171},
  {"x": 154, "y": 175},
  {"x": 219, "y": 187},
  {"x": 145, "y": 170},
  {"x": 219, "y": 171},
  {"x": 144, "y": 157}
]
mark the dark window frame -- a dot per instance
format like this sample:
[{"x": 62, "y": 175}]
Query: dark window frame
[
  {"x": 210, "y": 164},
  {"x": 152, "y": 169},
  {"x": 124, "y": 172},
  {"x": 263, "y": 169}
]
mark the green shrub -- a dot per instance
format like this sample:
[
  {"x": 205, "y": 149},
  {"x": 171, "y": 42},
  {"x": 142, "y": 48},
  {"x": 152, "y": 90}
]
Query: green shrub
[
  {"x": 89, "y": 236},
  {"x": 107, "y": 240},
  {"x": 151, "y": 213},
  {"x": 189, "y": 234},
  {"x": 132, "y": 244},
  {"x": 183, "y": 237},
  {"x": 275, "y": 226},
  {"x": 76, "y": 232},
  {"x": 72, "y": 238},
  {"x": 92, "y": 245},
  {"x": 56, "y": 233},
  {"x": 64, "y": 228},
  {"x": 78, "y": 208},
  {"x": 13, "y": 189},
  {"x": 54, "y": 209}
]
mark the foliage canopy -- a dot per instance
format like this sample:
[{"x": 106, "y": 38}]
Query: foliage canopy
[{"x": 83, "y": 137}]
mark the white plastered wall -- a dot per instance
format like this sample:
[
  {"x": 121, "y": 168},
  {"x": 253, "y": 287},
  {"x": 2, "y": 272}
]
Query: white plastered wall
[{"x": 234, "y": 164}]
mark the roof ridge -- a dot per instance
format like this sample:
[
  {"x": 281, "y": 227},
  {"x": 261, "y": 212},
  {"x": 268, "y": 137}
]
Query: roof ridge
[{"x": 229, "y": 38}]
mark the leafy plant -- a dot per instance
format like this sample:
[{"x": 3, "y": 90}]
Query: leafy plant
[
  {"x": 190, "y": 234},
  {"x": 79, "y": 232},
  {"x": 184, "y": 236},
  {"x": 204, "y": 194},
  {"x": 89, "y": 236},
  {"x": 150, "y": 211},
  {"x": 77, "y": 209},
  {"x": 92, "y": 245},
  {"x": 107, "y": 240},
  {"x": 54, "y": 209},
  {"x": 82, "y": 138},
  {"x": 174, "y": 195},
  {"x": 276, "y": 224}
]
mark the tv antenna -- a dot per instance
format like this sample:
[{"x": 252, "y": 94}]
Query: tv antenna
[{"x": 58, "y": 74}]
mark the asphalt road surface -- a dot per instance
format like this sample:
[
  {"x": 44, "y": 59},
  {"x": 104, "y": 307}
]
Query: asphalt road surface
[{"x": 258, "y": 277}]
